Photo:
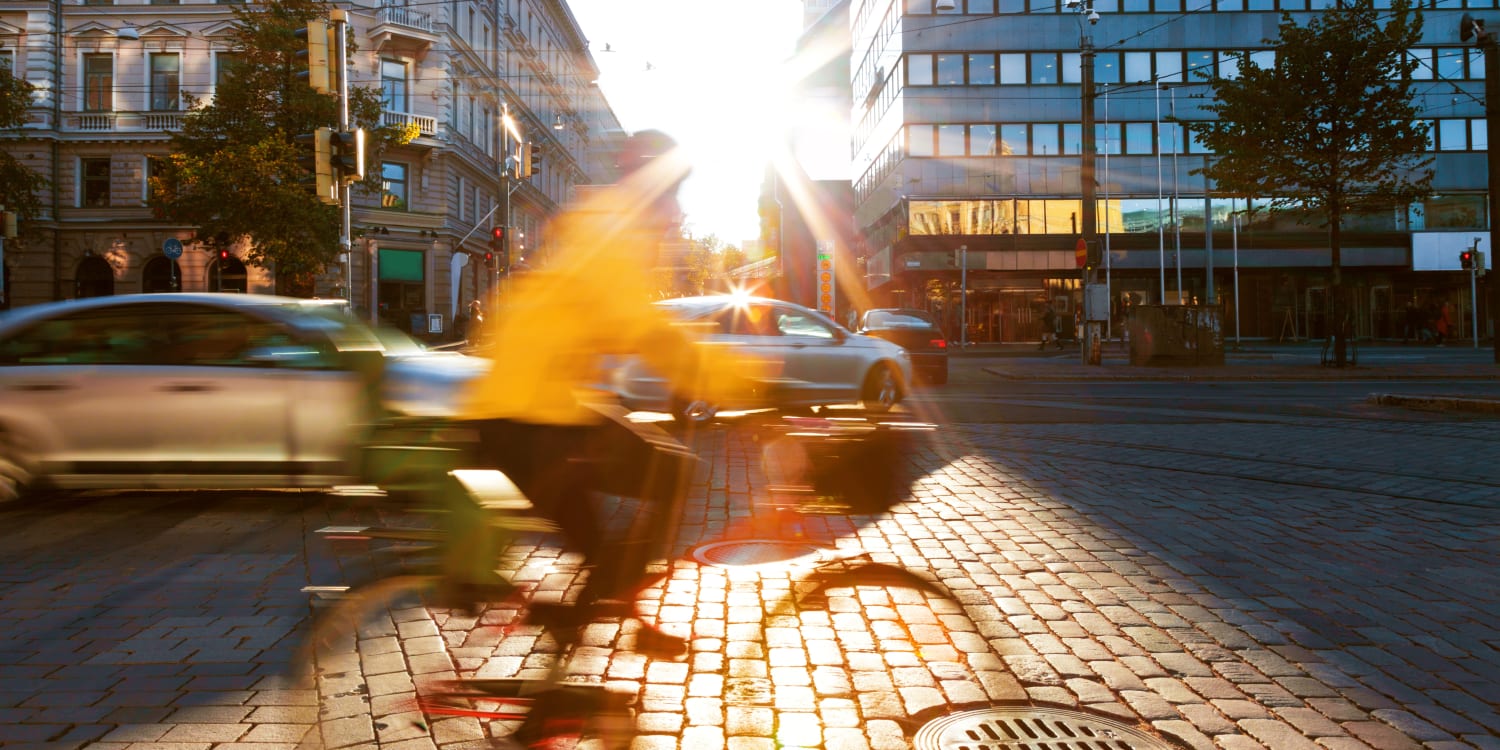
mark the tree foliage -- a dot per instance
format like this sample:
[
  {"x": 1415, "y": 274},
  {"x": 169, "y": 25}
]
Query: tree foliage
[
  {"x": 1331, "y": 127},
  {"x": 19, "y": 185},
  {"x": 236, "y": 167}
]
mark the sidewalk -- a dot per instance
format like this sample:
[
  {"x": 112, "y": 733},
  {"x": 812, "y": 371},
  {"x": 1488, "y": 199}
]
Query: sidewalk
[
  {"x": 1260, "y": 360},
  {"x": 1247, "y": 598}
]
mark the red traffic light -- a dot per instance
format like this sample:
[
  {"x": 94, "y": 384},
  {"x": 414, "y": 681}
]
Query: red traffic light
[
  {"x": 223, "y": 254},
  {"x": 1466, "y": 259},
  {"x": 497, "y": 234},
  {"x": 489, "y": 258}
]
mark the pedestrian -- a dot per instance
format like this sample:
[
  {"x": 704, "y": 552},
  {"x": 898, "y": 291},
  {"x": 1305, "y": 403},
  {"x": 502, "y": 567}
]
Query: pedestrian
[
  {"x": 1049, "y": 328},
  {"x": 1444, "y": 323},
  {"x": 474, "y": 326},
  {"x": 538, "y": 413}
]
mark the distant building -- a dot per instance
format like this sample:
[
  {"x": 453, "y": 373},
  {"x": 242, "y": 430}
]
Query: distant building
[
  {"x": 967, "y": 131},
  {"x": 111, "y": 79}
]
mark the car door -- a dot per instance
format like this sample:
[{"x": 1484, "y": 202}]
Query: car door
[
  {"x": 252, "y": 395},
  {"x": 83, "y": 387},
  {"x": 819, "y": 353}
]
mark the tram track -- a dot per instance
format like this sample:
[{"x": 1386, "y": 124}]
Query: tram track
[{"x": 1118, "y": 455}]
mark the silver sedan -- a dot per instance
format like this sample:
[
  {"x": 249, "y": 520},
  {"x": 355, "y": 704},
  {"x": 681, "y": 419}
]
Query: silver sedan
[
  {"x": 821, "y": 362},
  {"x": 203, "y": 391}
]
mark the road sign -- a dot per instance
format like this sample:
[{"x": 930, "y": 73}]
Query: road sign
[{"x": 172, "y": 248}]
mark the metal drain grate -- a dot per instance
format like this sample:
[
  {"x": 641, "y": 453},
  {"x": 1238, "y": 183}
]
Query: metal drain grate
[
  {"x": 742, "y": 553},
  {"x": 1031, "y": 728}
]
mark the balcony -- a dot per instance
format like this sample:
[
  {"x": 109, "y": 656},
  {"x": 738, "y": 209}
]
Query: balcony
[
  {"x": 121, "y": 122},
  {"x": 426, "y": 126},
  {"x": 399, "y": 29}
]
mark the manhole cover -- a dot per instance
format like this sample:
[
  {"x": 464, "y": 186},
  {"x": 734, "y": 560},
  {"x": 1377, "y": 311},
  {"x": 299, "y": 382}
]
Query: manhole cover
[
  {"x": 1030, "y": 728},
  {"x": 742, "y": 553}
]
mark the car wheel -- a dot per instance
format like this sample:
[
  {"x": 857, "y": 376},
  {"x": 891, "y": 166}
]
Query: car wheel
[
  {"x": 15, "y": 467},
  {"x": 693, "y": 411},
  {"x": 882, "y": 389}
]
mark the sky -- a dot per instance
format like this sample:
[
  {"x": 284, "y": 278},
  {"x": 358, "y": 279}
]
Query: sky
[{"x": 712, "y": 84}]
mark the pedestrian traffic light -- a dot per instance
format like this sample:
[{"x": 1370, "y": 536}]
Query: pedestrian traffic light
[
  {"x": 312, "y": 59},
  {"x": 1466, "y": 260},
  {"x": 317, "y": 159},
  {"x": 348, "y": 155},
  {"x": 489, "y": 259}
]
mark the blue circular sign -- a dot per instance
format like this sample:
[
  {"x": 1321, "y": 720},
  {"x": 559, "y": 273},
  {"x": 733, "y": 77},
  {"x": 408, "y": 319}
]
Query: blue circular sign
[{"x": 172, "y": 248}]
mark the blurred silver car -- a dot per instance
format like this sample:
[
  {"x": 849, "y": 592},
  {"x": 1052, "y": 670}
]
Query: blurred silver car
[
  {"x": 821, "y": 363},
  {"x": 203, "y": 391}
]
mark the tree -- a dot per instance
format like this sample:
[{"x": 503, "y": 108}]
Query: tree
[
  {"x": 1331, "y": 128},
  {"x": 236, "y": 166},
  {"x": 19, "y": 186}
]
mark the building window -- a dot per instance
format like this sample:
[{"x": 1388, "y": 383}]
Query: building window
[
  {"x": 1137, "y": 66},
  {"x": 93, "y": 188},
  {"x": 1138, "y": 138},
  {"x": 463, "y": 200},
  {"x": 982, "y": 140},
  {"x": 1044, "y": 140},
  {"x": 1453, "y": 135},
  {"x": 1107, "y": 67},
  {"x": 950, "y": 70},
  {"x": 1044, "y": 67},
  {"x": 1013, "y": 68},
  {"x": 1013, "y": 140},
  {"x": 98, "y": 82},
  {"x": 950, "y": 140},
  {"x": 165, "y": 81},
  {"x": 919, "y": 70},
  {"x": 224, "y": 67},
  {"x": 393, "y": 91},
  {"x": 393, "y": 186},
  {"x": 7, "y": 61},
  {"x": 919, "y": 140},
  {"x": 982, "y": 69}
]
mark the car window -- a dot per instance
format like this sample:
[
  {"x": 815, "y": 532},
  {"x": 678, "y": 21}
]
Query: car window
[
  {"x": 897, "y": 319},
  {"x": 797, "y": 323},
  {"x": 742, "y": 320},
  {"x": 163, "y": 334},
  {"x": 106, "y": 336},
  {"x": 211, "y": 336}
]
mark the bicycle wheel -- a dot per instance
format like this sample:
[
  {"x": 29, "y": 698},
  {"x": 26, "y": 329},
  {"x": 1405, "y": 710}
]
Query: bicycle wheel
[{"x": 353, "y": 608}]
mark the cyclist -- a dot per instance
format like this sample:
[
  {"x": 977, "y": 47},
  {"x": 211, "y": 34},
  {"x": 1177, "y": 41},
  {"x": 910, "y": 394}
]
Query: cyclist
[{"x": 537, "y": 413}]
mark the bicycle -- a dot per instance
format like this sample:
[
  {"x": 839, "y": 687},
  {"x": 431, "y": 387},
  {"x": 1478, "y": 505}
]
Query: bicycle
[{"x": 1351, "y": 347}]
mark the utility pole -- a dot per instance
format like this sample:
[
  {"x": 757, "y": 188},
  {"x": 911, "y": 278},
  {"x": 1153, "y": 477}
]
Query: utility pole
[
  {"x": 1093, "y": 319},
  {"x": 340, "y": 19},
  {"x": 1469, "y": 26}
]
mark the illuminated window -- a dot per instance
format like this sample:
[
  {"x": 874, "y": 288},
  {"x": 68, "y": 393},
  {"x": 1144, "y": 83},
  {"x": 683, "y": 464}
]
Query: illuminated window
[{"x": 98, "y": 82}]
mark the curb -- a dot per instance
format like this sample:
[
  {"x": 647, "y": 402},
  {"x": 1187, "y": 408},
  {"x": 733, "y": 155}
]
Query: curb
[
  {"x": 1437, "y": 403},
  {"x": 1252, "y": 372}
]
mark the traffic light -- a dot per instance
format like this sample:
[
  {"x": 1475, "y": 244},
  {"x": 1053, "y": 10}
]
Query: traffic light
[
  {"x": 498, "y": 256},
  {"x": 489, "y": 259},
  {"x": 317, "y": 159},
  {"x": 1466, "y": 260},
  {"x": 312, "y": 60},
  {"x": 223, "y": 254},
  {"x": 348, "y": 156}
]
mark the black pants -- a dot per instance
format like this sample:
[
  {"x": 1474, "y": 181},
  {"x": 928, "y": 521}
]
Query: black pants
[{"x": 560, "y": 467}]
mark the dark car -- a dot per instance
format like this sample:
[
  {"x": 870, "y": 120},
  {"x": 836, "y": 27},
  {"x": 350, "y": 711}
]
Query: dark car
[{"x": 915, "y": 331}]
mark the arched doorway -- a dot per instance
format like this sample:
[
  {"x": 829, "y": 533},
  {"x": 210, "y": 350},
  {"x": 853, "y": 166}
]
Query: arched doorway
[
  {"x": 228, "y": 275},
  {"x": 94, "y": 277},
  {"x": 161, "y": 274}
]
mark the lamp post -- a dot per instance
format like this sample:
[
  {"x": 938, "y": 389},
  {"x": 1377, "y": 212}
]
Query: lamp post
[
  {"x": 1087, "y": 185},
  {"x": 1474, "y": 27}
]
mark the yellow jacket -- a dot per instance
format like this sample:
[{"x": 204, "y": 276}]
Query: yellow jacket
[{"x": 553, "y": 327}]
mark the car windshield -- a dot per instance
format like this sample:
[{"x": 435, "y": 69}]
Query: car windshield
[{"x": 348, "y": 332}]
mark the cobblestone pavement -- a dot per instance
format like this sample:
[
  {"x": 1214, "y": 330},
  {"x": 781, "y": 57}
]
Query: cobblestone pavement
[
  {"x": 155, "y": 620},
  {"x": 1294, "y": 583}
]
